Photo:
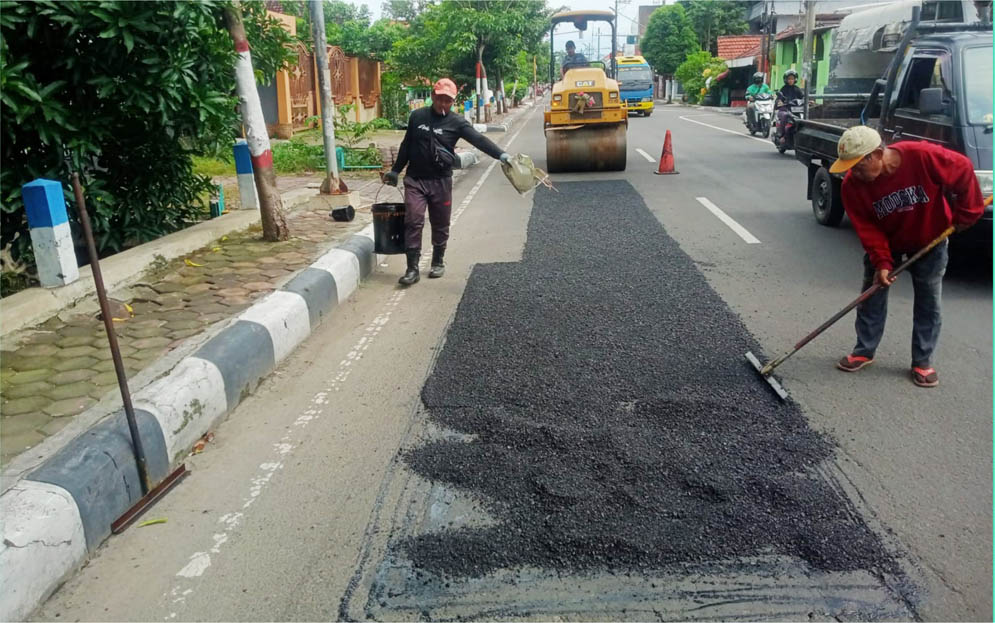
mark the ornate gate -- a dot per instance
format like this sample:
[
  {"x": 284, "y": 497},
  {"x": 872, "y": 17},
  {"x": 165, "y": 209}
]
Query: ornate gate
[{"x": 302, "y": 90}]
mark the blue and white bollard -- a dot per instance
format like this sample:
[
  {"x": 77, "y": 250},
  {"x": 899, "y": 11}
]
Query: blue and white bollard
[
  {"x": 51, "y": 238},
  {"x": 246, "y": 182}
]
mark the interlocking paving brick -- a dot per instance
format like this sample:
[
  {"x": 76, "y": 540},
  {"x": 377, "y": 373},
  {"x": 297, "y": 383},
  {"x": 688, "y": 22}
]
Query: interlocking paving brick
[
  {"x": 75, "y": 363},
  {"x": 149, "y": 342},
  {"x": 258, "y": 286},
  {"x": 76, "y": 351},
  {"x": 27, "y": 389},
  {"x": 28, "y": 376},
  {"x": 22, "y": 363},
  {"x": 232, "y": 292},
  {"x": 71, "y": 376},
  {"x": 180, "y": 325},
  {"x": 69, "y": 406},
  {"x": 38, "y": 350},
  {"x": 76, "y": 340},
  {"x": 70, "y": 390},
  {"x": 18, "y": 406}
]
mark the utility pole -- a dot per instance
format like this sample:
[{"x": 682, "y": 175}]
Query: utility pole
[
  {"x": 807, "y": 52},
  {"x": 330, "y": 185},
  {"x": 270, "y": 204}
]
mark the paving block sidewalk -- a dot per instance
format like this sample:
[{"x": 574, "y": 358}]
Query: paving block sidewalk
[{"x": 52, "y": 372}]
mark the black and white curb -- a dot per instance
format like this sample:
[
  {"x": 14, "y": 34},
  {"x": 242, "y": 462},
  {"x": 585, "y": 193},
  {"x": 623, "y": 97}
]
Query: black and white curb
[{"x": 62, "y": 510}]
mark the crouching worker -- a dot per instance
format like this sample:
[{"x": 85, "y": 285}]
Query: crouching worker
[{"x": 428, "y": 150}]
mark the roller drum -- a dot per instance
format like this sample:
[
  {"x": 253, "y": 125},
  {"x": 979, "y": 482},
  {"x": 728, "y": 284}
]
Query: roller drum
[{"x": 590, "y": 148}]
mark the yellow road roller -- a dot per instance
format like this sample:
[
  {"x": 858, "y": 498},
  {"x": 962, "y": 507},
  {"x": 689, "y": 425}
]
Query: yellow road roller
[{"x": 586, "y": 121}]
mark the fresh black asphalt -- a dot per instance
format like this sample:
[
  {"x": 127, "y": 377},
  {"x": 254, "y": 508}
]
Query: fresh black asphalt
[{"x": 613, "y": 421}]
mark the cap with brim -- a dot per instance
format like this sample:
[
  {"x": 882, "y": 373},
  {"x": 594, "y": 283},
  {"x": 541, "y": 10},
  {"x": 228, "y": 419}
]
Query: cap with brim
[{"x": 855, "y": 143}]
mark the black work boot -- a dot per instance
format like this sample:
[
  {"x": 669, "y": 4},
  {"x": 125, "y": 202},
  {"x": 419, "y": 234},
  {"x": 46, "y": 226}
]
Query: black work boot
[
  {"x": 438, "y": 266},
  {"x": 411, "y": 274}
]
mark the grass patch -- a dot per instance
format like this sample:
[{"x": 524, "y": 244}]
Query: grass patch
[{"x": 212, "y": 166}]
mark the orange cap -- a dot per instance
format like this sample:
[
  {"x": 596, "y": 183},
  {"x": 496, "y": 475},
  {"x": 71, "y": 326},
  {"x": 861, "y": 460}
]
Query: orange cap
[{"x": 445, "y": 86}]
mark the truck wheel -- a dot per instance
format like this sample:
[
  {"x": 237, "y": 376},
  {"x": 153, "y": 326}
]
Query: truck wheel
[{"x": 827, "y": 205}]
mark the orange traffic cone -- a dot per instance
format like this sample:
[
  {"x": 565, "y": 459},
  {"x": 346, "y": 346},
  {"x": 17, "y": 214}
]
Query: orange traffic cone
[{"x": 666, "y": 159}]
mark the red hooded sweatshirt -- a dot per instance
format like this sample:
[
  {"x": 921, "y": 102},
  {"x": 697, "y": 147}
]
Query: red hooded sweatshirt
[{"x": 905, "y": 211}]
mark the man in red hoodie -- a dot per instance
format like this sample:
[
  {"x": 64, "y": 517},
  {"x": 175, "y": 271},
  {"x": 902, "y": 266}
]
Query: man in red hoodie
[{"x": 899, "y": 198}]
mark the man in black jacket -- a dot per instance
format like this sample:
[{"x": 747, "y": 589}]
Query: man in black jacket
[{"x": 428, "y": 150}]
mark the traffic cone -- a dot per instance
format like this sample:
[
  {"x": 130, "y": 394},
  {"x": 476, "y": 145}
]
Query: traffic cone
[{"x": 666, "y": 159}]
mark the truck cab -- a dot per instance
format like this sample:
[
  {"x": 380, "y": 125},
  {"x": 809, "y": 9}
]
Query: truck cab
[
  {"x": 940, "y": 90},
  {"x": 635, "y": 79}
]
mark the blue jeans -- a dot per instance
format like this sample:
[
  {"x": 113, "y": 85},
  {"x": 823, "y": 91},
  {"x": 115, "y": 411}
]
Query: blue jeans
[{"x": 927, "y": 281}]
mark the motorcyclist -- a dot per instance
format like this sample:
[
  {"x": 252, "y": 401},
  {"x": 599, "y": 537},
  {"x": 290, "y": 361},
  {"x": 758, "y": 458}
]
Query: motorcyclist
[
  {"x": 758, "y": 87},
  {"x": 790, "y": 91}
]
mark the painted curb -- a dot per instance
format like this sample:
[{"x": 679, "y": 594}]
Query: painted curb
[{"x": 62, "y": 510}]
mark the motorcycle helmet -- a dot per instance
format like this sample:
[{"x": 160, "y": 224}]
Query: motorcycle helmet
[
  {"x": 758, "y": 77},
  {"x": 790, "y": 72}
]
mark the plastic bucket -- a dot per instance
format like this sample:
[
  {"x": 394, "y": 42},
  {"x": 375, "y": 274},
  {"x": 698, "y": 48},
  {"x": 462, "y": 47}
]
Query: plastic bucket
[{"x": 388, "y": 228}]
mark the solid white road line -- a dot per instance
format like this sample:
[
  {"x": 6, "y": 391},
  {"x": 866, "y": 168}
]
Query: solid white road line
[
  {"x": 648, "y": 157},
  {"x": 725, "y": 218},
  {"x": 715, "y": 127}
]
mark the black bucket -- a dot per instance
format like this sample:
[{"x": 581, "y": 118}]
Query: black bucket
[{"x": 388, "y": 228}]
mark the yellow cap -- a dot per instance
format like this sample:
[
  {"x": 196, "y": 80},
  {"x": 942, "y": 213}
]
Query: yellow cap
[{"x": 855, "y": 143}]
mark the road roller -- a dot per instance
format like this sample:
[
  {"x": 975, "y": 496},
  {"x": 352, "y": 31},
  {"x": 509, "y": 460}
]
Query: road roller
[{"x": 586, "y": 120}]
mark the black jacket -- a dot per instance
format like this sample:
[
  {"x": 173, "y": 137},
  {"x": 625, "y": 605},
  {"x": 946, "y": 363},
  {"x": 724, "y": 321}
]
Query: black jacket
[
  {"x": 416, "y": 148},
  {"x": 790, "y": 92}
]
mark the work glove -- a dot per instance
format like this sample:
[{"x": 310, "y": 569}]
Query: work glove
[
  {"x": 505, "y": 157},
  {"x": 390, "y": 178}
]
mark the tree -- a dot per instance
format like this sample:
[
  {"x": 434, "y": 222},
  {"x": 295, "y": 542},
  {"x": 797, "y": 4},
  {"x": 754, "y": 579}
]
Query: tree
[
  {"x": 669, "y": 39},
  {"x": 712, "y": 19},
  {"x": 127, "y": 91},
  {"x": 694, "y": 72}
]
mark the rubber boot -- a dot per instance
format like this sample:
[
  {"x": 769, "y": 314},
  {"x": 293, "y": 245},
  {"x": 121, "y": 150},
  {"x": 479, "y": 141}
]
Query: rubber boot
[
  {"x": 411, "y": 275},
  {"x": 438, "y": 266}
]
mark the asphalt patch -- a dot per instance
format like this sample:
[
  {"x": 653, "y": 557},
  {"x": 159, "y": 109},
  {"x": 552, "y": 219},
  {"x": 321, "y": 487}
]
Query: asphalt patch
[{"x": 613, "y": 422}]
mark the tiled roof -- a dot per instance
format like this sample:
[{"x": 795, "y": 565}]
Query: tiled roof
[{"x": 737, "y": 46}]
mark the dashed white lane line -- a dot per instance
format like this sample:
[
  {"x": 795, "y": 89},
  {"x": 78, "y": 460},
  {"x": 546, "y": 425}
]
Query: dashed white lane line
[
  {"x": 715, "y": 127},
  {"x": 725, "y": 218},
  {"x": 648, "y": 157}
]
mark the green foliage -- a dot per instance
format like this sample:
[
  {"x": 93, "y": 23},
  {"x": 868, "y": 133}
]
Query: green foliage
[
  {"x": 351, "y": 133},
  {"x": 393, "y": 99},
  {"x": 669, "y": 39},
  {"x": 696, "y": 70},
  {"x": 712, "y": 19},
  {"x": 126, "y": 92}
]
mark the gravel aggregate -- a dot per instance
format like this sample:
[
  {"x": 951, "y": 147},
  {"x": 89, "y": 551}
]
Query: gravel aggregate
[{"x": 614, "y": 423}]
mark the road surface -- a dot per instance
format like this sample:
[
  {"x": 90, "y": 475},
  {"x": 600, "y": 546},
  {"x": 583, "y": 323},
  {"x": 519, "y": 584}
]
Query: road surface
[{"x": 564, "y": 426}]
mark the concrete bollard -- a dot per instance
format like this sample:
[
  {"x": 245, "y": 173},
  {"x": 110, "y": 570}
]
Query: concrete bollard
[
  {"x": 51, "y": 238},
  {"x": 246, "y": 181}
]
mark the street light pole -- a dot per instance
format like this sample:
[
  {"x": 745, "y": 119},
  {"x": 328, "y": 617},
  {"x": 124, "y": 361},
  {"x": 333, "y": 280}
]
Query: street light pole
[{"x": 330, "y": 185}]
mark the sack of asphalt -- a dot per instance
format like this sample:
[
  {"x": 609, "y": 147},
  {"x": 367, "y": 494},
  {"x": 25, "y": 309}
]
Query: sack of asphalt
[{"x": 523, "y": 174}]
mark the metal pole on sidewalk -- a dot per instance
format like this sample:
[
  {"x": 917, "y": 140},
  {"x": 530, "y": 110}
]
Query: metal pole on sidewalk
[
  {"x": 330, "y": 185},
  {"x": 807, "y": 52},
  {"x": 105, "y": 312}
]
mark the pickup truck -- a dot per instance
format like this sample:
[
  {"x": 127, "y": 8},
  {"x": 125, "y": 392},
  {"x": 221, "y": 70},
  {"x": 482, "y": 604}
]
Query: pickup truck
[{"x": 938, "y": 88}]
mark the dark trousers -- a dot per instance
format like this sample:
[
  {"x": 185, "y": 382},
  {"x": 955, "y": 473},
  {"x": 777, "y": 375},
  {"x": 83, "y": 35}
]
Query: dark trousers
[
  {"x": 435, "y": 196},
  {"x": 927, "y": 280}
]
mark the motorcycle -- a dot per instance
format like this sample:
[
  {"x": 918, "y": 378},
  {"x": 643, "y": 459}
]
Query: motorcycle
[
  {"x": 763, "y": 112},
  {"x": 784, "y": 137}
]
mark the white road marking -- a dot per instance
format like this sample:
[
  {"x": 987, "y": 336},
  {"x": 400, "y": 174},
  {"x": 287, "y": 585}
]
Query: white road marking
[
  {"x": 648, "y": 157},
  {"x": 715, "y": 127},
  {"x": 725, "y": 218}
]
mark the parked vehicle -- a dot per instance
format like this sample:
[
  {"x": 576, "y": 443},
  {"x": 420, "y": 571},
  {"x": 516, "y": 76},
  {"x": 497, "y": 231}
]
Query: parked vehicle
[
  {"x": 788, "y": 115},
  {"x": 763, "y": 107},
  {"x": 635, "y": 81},
  {"x": 937, "y": 89}
]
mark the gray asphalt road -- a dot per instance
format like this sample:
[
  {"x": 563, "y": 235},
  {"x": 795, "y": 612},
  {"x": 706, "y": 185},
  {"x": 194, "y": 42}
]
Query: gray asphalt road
[{"x": 302, "y": 497}]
